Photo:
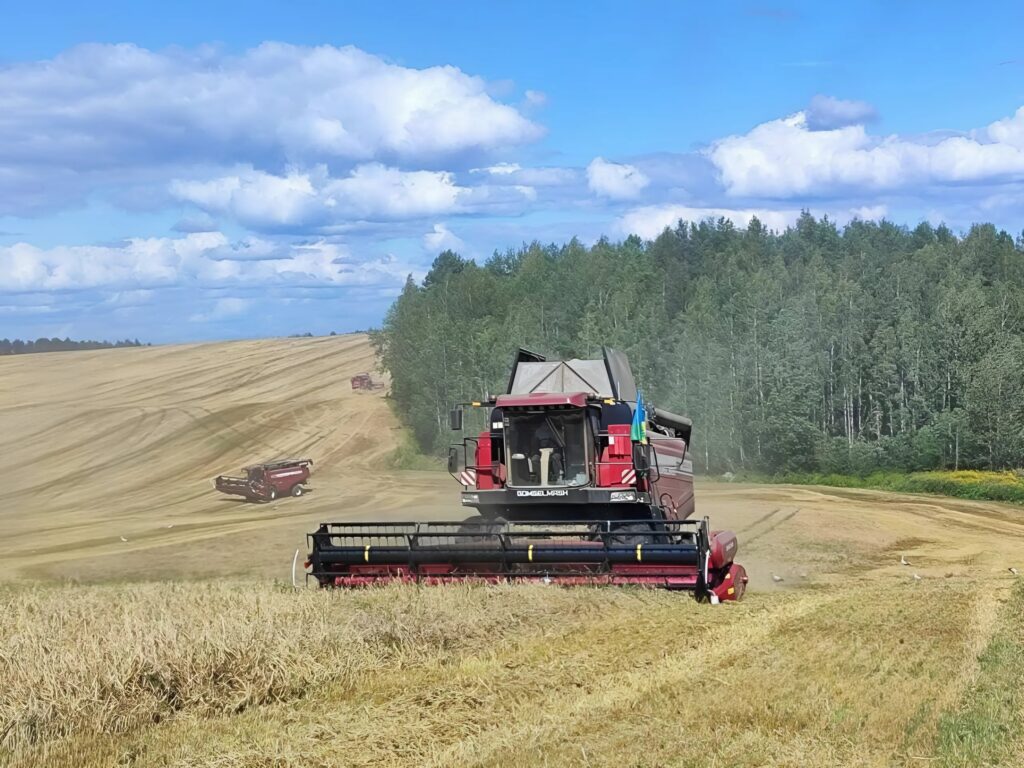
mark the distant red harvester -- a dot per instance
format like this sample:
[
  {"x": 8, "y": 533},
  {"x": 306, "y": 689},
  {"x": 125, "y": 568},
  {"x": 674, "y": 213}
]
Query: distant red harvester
[
  {"x": 565, "y": 492},
  {"x": 268, "y": 481},
  {"x": 364, "y": 381}
]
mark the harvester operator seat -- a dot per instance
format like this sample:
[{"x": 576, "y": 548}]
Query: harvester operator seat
[{"x": 546, "y": 460}]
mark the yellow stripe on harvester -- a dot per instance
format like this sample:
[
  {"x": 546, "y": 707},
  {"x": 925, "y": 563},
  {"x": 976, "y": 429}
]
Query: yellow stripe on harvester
[
  {"x": 366, "y": 553},
  {"x": 639, "y": 557},
  {"x": 529, "y": 553}
]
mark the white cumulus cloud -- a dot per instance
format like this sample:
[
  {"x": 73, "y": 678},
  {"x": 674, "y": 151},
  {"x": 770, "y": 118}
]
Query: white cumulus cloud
[
  {"x": 827, "y": 112},
  {"x": 227, "y": 306},
  {"x": 206, "y": 259},
  {"x": 649, "y": 221},
  {"x": 538, "y": 176},
  {"x": 1009, "y": 130},
  {"x": 101, "y": 114},
  {"x": 441, "y": 238},
  {"x": 615, "y": 180},
  {"x": 313, "y": 198},
  {"x": 500, "y": 169},
  {"x": 536, "y": 98},
  {"x": 785, "y": 158}
]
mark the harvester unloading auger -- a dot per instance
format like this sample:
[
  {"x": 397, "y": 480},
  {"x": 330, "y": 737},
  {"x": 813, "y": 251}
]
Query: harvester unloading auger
[{"x": 570, "y": 486}]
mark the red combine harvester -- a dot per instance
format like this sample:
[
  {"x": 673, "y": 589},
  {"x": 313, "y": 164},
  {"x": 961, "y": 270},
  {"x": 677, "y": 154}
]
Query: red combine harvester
[
  {"x": 572, "y": 482},
  {"x": 365, "y": 381},
  {"x": 266, "y": 482}
]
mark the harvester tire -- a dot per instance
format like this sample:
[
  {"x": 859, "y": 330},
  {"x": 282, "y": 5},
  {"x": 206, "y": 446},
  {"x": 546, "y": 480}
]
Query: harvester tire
[
  {"x": 482, "y": 524},
  {"x": 631, "y": 534},
  {"x": 272, "y": 494},
  {"x": 298, "y": 490}
]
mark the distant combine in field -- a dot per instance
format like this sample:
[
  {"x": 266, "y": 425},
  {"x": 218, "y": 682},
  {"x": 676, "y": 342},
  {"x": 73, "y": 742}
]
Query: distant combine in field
[
  {"x": 266, "y": 482},
  {"x": 364, "y": 382}
]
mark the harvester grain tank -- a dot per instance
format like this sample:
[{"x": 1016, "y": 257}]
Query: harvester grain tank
[{"x": 571, "y": 481}]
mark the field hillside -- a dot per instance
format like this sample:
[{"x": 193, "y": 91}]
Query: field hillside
[
  {"x": 146, "y": 620},
  {"x": 125, "y": 443}
]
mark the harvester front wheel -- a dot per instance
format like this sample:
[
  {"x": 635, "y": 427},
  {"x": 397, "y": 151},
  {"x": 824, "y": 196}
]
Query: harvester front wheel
[
  {"x": 272, "y": 494},
  {"x": 484, "y": 525},
  {"x": 631, "y": 534}
]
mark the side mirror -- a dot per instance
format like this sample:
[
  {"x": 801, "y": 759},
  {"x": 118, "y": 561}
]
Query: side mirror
[
  {"x": 453, "y": 460},
  {"x": 641, "y": 462},
  {"x": 455, "y": 419}
]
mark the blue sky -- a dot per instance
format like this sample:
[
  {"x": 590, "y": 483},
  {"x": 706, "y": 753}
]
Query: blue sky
[{"x": 216, "y": 170}]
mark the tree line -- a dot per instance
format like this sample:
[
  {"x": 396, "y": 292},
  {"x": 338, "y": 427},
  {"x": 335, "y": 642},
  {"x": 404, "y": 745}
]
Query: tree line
[
  {"x": 19, "y": 347},
  {"x": 820, "y": 348}
]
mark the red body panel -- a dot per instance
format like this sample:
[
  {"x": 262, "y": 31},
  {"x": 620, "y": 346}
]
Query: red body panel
[
  {"x": 723, "y": 548},
  {"x": 285, "y": 478},
  {"x": 615, "y": 469},
  {"x": 729, "y": 584},
  {"x": 485, "y": 470},
  {"x": 673, "y": 475}
]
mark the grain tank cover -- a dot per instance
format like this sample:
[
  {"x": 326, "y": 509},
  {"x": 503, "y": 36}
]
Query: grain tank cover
[
  {"x": 562, "y": 376},
  {"x": 620, "y": 374},
  {"x": 610, "y": 377}
]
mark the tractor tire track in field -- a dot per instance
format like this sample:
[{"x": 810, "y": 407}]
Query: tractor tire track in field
[
  {"x": 615, "y": 691},
  {"x": 759, "y": 520},
  {"x": 750, "y": 539}
]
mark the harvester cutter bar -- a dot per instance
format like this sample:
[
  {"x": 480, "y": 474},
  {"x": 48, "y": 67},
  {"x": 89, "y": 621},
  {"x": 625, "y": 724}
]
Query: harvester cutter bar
[{"x": 668, "y": 554}]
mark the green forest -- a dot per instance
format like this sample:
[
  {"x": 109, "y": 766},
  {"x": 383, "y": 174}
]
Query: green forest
[
  {"x": 19, "y": 347},
  {"x": 831, "y": 349}
]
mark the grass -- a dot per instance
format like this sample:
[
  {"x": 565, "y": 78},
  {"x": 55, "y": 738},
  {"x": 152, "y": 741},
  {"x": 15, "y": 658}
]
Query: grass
[
  {"x": 966, "y": 484},
  {"x": 408, "y": 456},
  {"x": 985, "y": 729},
  {"x": 259, "y": 675}
]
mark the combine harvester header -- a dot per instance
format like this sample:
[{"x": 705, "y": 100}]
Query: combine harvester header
[{"x": 574, "y": 481}]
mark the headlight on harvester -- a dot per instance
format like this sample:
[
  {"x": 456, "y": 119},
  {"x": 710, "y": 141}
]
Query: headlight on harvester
[
  {"x": 623, "y": 496},
  {"x": 471, "y": 498}
]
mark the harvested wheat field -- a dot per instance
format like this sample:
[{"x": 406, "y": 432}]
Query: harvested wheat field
[
  {"x": 124, "y": 443},
  {"x": 185, "y": 645}
]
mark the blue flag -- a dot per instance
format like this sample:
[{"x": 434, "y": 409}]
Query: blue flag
[{"x": 638, "y": 432}]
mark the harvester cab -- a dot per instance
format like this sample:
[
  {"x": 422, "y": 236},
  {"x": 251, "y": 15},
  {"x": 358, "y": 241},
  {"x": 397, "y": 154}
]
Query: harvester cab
[
  {"x": 564, "y": 444},
  {"x": 571, "y": 480}
]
